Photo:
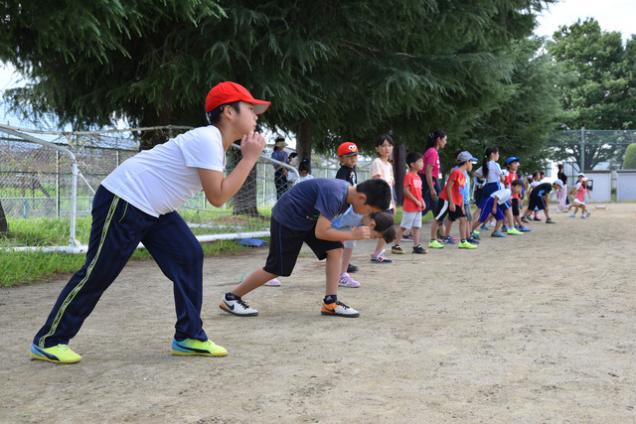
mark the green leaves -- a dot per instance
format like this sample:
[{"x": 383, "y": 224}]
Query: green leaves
[{"x": 343, "y": 69}]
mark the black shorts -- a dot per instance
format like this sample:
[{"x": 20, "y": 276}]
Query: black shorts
[
  {"x": 285, "y": 244},
  {"x": 515, "y": 207},
  {"x": 442, "y": 209},
  {"x": 426, "y": 195},
  {"x": 536, "y": 203}
]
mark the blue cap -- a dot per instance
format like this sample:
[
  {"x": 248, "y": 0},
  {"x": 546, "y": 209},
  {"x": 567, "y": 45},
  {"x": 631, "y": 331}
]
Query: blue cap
[{"x": 511, "y": 159}]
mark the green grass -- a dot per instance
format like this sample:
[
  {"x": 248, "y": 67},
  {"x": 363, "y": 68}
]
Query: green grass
[
  {"x": 18, "y": 268},
  {"x": 27, "y": 267}
]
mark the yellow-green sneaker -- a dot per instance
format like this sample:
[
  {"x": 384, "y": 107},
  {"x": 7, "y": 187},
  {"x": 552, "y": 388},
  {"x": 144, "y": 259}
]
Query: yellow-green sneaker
[
  {"x": 466, "y": 245},
  {"x": 514, "y": 232},
  {"x": 58, "y": 354},
  {"x": 194, "y": 347},
  {"x": 435, "y": 244}
]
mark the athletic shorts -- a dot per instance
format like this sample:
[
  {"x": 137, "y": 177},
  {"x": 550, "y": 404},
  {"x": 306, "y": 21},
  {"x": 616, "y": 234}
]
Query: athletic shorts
[
  {"x": 426, "y": 194},
  {"x": 285, "y": 244},
  {"x": 536, "y": 203},
  {"x": 579, "y": 202},
  {"x": 467, "y": 212},
  {"x": 487, "y": 210},
  {"x": 411, "y": 220},
  {"x": 442, "y": 209},
  {"x": 515, "y": 207},
  {"x": 349, "y": 244}
]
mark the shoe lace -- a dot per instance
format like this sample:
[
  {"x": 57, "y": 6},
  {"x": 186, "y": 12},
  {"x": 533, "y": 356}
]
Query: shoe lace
[
  {"x": 242, "y": 303},
  {"x": 342, "y": 304}
]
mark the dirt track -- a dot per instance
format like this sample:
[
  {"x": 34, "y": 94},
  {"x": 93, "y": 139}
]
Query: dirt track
[{"x": 539, "y": 328}]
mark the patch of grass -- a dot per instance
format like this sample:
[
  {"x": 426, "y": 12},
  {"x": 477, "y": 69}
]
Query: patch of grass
[
  {"x": 18, "y": 268},
  {"x": 44, "y": 232}
]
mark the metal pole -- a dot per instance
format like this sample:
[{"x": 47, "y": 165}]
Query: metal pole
[
  {"x": 582, "y": 149},
  {"x": 75, "y": 171},
  {"x": 57, "y": 184}
]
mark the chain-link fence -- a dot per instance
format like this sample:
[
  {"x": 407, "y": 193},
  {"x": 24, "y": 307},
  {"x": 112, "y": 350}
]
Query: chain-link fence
[
  {"x": 39, "y": 190},
  {"x": 589, "y": 150}
]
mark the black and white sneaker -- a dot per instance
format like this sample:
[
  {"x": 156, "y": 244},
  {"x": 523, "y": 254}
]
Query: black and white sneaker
[{"x": 237, "y": 307}]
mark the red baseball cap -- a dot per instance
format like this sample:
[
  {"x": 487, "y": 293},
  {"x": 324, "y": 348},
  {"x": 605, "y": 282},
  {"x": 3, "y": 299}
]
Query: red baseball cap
[
  {"x": 347, "y": 149},
  {"x": 230, "y": 92}
]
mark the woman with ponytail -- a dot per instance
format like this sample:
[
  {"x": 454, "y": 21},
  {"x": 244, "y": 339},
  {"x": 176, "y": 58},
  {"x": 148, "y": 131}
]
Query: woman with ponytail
[
  {"x": 431, "y": 172},
  {"x": 492, "y": 174}
]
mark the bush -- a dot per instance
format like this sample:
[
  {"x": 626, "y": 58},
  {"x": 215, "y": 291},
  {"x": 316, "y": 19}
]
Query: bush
[{"x": 630, "y": 157}]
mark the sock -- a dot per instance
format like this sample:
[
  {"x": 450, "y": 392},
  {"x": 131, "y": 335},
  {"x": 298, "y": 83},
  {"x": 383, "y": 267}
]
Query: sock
[
  {"x": 330, "y": 298},
  {"x": 463, "y": 240},
  {"x": 231, "y": 296}
]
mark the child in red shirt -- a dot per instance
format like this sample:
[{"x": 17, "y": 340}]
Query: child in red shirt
[
  {"x": 451, "y": 203},
  {"x": 413, "y": 205}
]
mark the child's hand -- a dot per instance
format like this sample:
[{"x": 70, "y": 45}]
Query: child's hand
[
  {"x": 361, "y": 233},
  {"x": 451, "y": 206},
  {"x": 252, "y": 145}
]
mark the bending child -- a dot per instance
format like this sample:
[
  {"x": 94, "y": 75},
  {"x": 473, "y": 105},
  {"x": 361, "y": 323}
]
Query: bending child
[{"x": 304, "y": 215}]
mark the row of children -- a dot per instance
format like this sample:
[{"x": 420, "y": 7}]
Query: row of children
[{"x": 138, "y": 202}]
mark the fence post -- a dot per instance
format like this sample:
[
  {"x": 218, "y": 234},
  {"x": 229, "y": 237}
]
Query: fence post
[
  {"x": 582, "y": 149},
  {"x": 57, "y": 184},
  {"x": 75, "y": 171}
]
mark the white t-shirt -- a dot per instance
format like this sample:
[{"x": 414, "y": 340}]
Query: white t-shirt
[
  {"x": 502, "y": 195},
  {"x": 385, "y": 171},
  {"x": 494, "y": 172},
  {"x": 162, "y": 179}
]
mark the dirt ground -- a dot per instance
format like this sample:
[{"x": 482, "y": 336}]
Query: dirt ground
[{"x": 533, "y": 329}]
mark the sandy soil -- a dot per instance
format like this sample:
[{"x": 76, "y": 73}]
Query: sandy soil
[{"x": 539, "y": 328}]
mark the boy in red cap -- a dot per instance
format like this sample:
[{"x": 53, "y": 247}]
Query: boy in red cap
[
  {"x": 137, "y": 203},
  {"x": 348, "y": 157}
]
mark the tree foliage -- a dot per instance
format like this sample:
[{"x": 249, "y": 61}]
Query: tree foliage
[
  {"x": 597, "y": 89},
  {"x": 333, "y": 69},
  {"x": 630, "y": 157}
]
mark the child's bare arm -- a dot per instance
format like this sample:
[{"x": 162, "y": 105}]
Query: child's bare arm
[
  {"x": 324, "y": 231},
  {"x": 219, "y": 189},
  {"x": 451, "y": 204}
]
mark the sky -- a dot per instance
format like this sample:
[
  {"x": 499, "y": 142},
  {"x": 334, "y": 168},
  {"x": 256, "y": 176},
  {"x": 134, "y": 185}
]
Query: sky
[{"x": 613, "y": 15}]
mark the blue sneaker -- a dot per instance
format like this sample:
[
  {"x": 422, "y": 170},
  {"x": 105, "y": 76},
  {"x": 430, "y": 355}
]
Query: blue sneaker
[
  {"x": 498, "y": 234},
  {"x": 472, "y": 240},
  {"x": 449, "y": 240},
  {"x": 475, "y": 235},
  {"x": 484, "y": 227},
  {"x": 523, "y": 229},
  {"x": 504, "y": 228}
]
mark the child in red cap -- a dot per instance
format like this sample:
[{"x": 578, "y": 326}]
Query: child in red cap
[
  {"x": 348, "y": 157},
  {"x": 138, "y": 202}
]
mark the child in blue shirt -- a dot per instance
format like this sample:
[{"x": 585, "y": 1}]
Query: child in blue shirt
[
  {"x": 350, "y": 220},
  {"x": 304, "y": 215}
]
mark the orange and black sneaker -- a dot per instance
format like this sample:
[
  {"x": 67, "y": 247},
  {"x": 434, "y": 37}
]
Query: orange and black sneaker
[{"x": 338, "y": 309}]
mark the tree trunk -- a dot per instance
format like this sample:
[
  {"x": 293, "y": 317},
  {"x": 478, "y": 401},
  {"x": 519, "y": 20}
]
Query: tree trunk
[
  {"x": 399, "y": 160},
  {"x": 4, "y": 227},
  {"x": 304, "y": 140}
]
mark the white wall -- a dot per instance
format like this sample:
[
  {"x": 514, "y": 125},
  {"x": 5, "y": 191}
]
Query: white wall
[
  {"x": 602, "y": 184},
  {"x": 626, "y": 186}
]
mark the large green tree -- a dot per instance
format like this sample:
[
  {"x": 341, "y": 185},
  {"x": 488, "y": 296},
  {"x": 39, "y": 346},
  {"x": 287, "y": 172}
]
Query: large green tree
[
  {"x": 523, "y": 117},
  {"x": 333, "y": 69},
  {"x": 597, "y": 89}
]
